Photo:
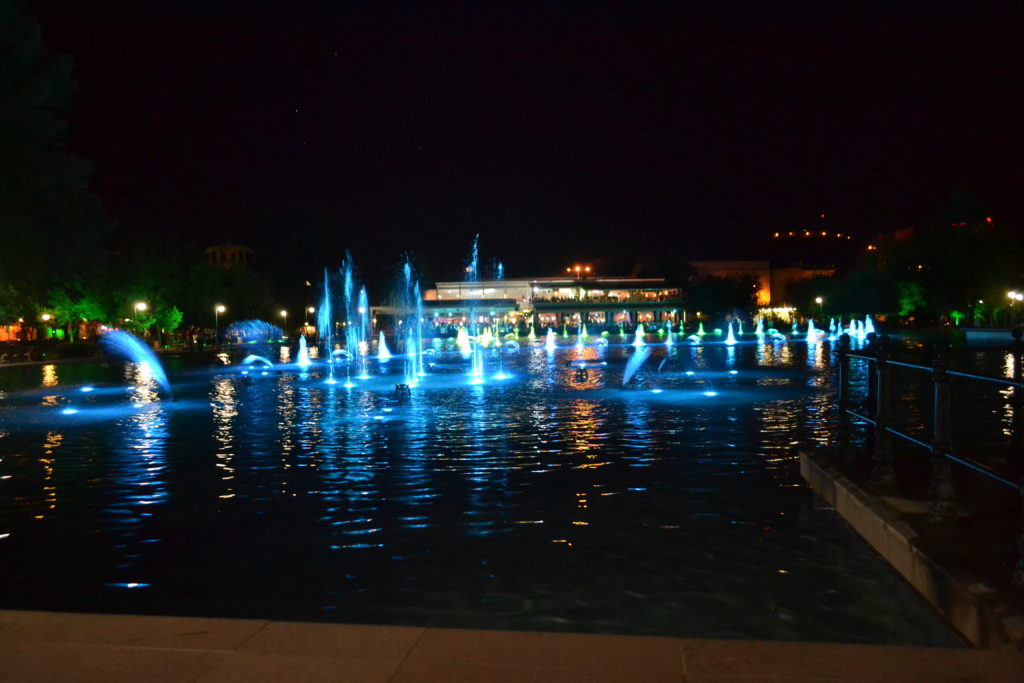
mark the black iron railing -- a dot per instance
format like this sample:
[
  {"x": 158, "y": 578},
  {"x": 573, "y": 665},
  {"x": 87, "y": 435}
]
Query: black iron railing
[{"x": 877, "y": 411}]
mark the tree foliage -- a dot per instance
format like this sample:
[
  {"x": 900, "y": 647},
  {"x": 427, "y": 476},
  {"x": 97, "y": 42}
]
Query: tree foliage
[{"x": 51, "y": 226}]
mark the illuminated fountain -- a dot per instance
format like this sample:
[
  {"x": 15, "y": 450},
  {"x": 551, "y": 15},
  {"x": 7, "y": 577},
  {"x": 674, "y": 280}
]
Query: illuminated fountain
[
  {"x": 638, "y": 338},
  {"x": 383, "y": 352},
  {"x": 869, "y": 326},
  {"x": 462, "y": 342},
  {"x": 641, "y": 354},
  {"x": 549, "y": 340},
  {"x": 730, "y": 339},
  {"x": 812, "y": 334},
  {"x": 700, "y": 330},
  {"x": 476, "y": 371},
  {"x": 759, "y": 330},
  {"x": 127, "y": 346},
  {"x": 325, "y": 328},
  {"x": 303, "y": 356}
]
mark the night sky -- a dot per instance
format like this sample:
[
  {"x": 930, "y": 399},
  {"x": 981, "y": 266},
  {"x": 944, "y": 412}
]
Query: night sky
[{"x": 558, "y": 132}]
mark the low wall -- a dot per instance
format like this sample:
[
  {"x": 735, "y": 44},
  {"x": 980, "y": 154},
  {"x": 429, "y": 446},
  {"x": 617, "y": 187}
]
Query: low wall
[{"x": 972, "y": 607}]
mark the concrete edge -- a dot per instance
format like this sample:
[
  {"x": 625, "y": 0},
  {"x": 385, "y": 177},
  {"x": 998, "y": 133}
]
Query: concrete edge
[{"x": 972, "y": 607}]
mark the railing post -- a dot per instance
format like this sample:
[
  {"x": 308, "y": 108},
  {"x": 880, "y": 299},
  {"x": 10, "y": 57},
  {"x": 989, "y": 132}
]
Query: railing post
[
  {"x": 940, "y": 489},
  {"x": 882, "y": 473},
  {"x": 871, "y": 399},
  {"x": 843, "y": 380}
]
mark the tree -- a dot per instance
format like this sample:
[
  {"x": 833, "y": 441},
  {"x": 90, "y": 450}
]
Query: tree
[
  {"x": 714, "y": 294},
  {"x": 50, "y": 225},
  {"x": 71, "y": 304}
]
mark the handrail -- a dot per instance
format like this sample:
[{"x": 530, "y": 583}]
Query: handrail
[
  {"x": 880, "y": 406},
  {"x": 977, "y": 467}
]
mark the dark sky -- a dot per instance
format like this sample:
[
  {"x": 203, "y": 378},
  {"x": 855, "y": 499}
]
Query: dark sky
[{"x": 557, "y": 132}]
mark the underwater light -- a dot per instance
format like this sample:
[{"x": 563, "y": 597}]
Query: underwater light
[
  {"x": 733, "y": 372},
  {"x": 690, "y": 373},
  {"x": 138, "y": 405},
  {"x": 656, "y": 391},
  {"x": 86, "y": 389},
  {"x": 378, "y": 417},
  {"x": 388, "y": 410},
  {"x": 711, "y": 393},
  {"x": 69, "y": 411},
  {"x": 245, "y": 372},
  {"x": 131, "y": 584},
  {"x": 264, "y": 372}
]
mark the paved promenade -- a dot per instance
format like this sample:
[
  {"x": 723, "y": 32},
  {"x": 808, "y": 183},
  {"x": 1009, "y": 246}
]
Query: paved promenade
[{"x": 50, "y": 646}]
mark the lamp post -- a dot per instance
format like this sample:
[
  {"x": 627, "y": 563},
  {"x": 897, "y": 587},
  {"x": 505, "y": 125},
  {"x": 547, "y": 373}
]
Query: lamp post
[
  {"x": 821, "y": 308},
  {"x": 140, "y": 306},
  {"x": 217, "y": 310},
  {"x": 284, "y": 316}
]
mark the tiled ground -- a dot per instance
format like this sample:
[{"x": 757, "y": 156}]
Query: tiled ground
[{"x": 47, "y": 646}]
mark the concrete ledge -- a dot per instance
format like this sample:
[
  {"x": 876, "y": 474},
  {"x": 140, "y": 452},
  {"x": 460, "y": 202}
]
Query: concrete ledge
[
  {"x": 970, "y": 606},
  {"x": 53, "y": 646}
]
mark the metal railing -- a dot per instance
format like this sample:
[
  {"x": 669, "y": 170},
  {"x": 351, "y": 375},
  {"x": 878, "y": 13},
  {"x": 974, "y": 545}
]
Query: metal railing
[{"x": 878, "y": 412}]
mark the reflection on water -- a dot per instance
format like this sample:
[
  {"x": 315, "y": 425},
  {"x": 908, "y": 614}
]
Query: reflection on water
[{"x": 551, "y": 500}]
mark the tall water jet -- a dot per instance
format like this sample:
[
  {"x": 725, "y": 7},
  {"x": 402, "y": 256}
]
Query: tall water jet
[
  {"x": 549, "y": 340},
  {"x": 832, "y": 327},
  {"x": 869, "y": 326},
  {"x": 739, "y": 329},
  {"x": 794, "y": 330},
  {"x": 363, "y": 332},
  {"x": 532, "y": 335},
  {"x": 730, "y": 338},
  {"x": 411, "y": 353},
  {"x": 476, "y": 352},
  {"x": 670, "y": 339},
  {"x": 759, "y": 330},
  {"x": 638, "y": 338},
  {"x": 325, "y": 328},
  {"x": 583, "y": 331},
  {"x": 303, "y": 356},
  {"x": 126, "y": 345},
  {"x": 383, "y": 352},
  {"x": 700, "y": 330},
  {"x": 641, "y": 354}
]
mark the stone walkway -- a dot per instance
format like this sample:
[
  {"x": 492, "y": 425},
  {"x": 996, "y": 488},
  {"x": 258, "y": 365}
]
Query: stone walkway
[{"x": 50, "y": 646}]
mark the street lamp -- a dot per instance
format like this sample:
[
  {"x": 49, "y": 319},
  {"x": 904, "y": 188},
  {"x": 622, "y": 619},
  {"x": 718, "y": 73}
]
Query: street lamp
[
  {"x": 284, "y": 316},
  {"x": 821, "y": 308},
  {"x": 140, "y": 306},
  {"x": 217, "y": 310}
]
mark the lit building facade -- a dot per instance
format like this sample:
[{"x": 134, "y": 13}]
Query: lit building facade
[{"x": 556, "y": 301}]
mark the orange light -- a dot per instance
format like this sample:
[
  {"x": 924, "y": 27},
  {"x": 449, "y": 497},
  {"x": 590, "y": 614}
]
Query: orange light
[
  {"x": 587, "y": 269},
  {"x": 568, "y": 270},
  {"x": 577, "y": 269},
  {"x": 988, "y": 219}
]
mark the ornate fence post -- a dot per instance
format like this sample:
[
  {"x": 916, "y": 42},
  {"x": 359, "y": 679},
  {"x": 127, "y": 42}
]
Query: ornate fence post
[
  {"x": 882, "y": 472},
  {"x": 843, "y": 380},
  {"x": 940, "y": 488}
]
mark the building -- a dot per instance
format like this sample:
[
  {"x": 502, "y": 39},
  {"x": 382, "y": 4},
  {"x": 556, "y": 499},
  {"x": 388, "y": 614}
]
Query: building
[
  {"x": 228, "y": 255},
  {"x": 555, "y": 301}
]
